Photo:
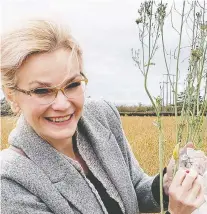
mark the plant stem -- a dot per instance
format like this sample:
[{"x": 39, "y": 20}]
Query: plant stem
[{"x": 176, "y": 83}]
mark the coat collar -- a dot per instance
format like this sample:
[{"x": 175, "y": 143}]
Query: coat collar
[{"x": 51, "y": 161}]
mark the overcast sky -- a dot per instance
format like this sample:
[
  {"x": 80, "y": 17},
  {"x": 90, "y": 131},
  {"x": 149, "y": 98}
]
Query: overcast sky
[{"x": 106, "y": 31}]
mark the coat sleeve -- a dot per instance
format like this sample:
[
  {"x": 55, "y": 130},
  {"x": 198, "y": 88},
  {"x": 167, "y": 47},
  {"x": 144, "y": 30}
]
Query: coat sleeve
[
  {"x": 15, "y": 199},
  {"x": 141, "y": 181}
]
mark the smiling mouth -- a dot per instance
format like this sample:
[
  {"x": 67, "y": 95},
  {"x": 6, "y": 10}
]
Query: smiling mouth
[{"x": 59, "y": 119}]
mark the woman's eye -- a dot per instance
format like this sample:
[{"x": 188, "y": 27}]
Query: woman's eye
[
  {"x": 73, "y": 85},
  {"x": 42, "y": 91}
]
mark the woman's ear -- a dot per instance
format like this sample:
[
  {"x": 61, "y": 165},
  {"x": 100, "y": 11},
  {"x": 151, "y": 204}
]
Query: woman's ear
[{"x": 11, "y": 99}]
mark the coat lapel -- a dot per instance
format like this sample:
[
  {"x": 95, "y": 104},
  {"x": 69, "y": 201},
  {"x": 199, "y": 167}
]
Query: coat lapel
[
  {"x": 114, "y": 170},
  {"x": 87, "y": 150},
  {"x": 76, "y": 189}
]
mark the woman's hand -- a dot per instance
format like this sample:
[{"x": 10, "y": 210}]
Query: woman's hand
[
  {"x": 168, "y": 177},
  {"x": 186, "y": 192},
  {"x": 189, "y": 158}
]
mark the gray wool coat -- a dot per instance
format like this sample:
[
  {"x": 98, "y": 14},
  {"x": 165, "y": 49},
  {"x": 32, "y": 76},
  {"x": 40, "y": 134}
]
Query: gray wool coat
[{"x": 44, "y": 181}]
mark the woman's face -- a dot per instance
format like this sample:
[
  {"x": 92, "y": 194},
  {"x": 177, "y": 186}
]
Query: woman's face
[{"x": 58, "y": 120}]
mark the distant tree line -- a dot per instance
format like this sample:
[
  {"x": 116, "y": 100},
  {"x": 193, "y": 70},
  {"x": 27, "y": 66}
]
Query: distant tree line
[{"x": 6, "y": 110}]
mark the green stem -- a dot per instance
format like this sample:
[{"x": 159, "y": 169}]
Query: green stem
[
  {"x": 203, "y": 108},
  {"x": 164, "y": 54},
  {"x": 190, "y": 77},
  {"x": 150, "y": 55},
  {"x": 177, "y": 74}
]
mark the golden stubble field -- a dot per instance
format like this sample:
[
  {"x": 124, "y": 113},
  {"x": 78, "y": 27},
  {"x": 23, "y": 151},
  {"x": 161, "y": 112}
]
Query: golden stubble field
[{"x": 141, "y": 134}]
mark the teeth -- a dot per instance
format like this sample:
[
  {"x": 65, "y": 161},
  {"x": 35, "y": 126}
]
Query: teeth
[{"x": 61, "y": 119}]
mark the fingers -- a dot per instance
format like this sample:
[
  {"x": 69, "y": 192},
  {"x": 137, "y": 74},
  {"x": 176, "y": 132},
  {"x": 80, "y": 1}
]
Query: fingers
[
  {"x": 196, "y": 189},
  {"x": 183, "y": 182},
  {"x": 178, "y": 179},
  {"x": 189, "y": 180},
  {"x": 195, "y": 196},
  {"x": 186, "y": 192}
]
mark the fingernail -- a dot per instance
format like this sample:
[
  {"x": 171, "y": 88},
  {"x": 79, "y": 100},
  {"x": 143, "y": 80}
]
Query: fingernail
[{"x": 187, "y": 171}]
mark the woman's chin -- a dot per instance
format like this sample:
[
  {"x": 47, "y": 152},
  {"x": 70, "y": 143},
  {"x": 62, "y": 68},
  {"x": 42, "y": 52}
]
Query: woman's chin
[{"x": 60, "y": 135}]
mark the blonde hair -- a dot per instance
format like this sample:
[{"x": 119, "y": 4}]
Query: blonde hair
[{"x": 37, "y": 36}]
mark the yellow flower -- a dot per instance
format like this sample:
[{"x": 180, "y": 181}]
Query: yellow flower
[{"x": 176, "y": 152}]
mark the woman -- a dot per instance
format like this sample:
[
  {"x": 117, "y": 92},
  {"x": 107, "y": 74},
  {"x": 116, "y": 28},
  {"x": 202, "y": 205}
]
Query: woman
[{"x": 69, "y": 154}]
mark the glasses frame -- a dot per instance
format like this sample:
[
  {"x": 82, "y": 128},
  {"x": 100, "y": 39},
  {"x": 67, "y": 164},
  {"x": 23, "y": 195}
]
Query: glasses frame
[{"x": 56, "y": 89}]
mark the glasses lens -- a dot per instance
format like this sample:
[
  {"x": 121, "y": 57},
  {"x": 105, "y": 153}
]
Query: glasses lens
[
  {"x": 44, "y": 95},
  {"x": 74, "y": 89},
  {"x": 47, "y": 95}
]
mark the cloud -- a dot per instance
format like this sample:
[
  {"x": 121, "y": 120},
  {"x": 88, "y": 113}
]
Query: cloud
[{"x": 107, "y": 31}]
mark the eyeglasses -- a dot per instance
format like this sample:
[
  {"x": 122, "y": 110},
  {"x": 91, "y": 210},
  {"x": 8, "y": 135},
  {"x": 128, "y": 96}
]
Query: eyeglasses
[{"x": 47, "y": 95}]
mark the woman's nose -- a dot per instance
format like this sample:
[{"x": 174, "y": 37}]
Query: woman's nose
[{"x": 61, "y": 102}]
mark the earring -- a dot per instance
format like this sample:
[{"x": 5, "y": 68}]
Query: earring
[{"x": 15, "y": 107}]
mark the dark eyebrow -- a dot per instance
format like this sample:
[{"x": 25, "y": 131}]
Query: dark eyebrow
[{"x": 46, "y": 84}]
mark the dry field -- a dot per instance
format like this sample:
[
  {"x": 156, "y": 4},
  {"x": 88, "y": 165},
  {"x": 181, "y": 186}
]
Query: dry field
[{"x": 141, "y": 134}]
